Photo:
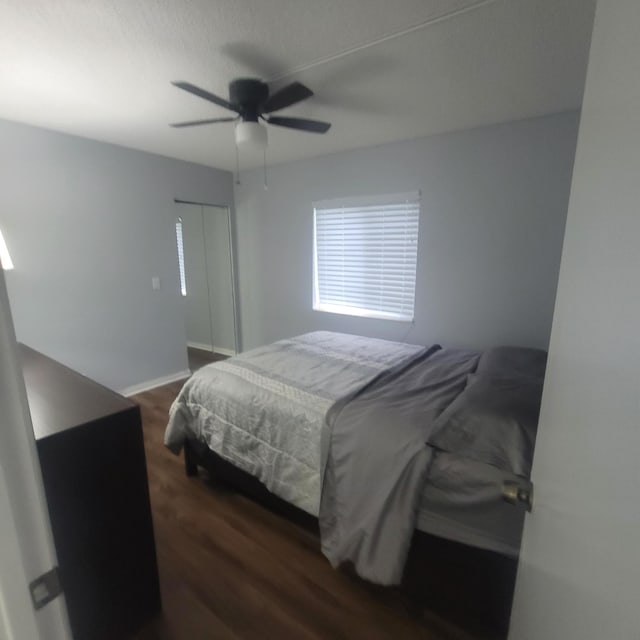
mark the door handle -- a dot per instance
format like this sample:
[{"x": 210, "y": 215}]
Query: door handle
[{"x": 518, "y": 494}]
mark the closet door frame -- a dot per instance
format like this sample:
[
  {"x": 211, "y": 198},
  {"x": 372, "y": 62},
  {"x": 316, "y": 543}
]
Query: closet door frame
[{"x": 232, "y": 259}]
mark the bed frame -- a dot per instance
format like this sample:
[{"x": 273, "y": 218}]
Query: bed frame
[{"x": 471, "y": 587}]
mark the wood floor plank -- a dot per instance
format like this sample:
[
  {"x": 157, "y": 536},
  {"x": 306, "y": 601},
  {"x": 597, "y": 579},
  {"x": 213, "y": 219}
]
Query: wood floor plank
[{"x": 235, "y": 570}]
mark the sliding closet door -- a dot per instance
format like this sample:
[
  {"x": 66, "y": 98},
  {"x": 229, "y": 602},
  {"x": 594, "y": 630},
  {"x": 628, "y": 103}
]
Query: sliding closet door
[
  {"x": 220, "y": 277},
  {"x": 197, "y": 317},
  {"x": 210, "y": 319}
]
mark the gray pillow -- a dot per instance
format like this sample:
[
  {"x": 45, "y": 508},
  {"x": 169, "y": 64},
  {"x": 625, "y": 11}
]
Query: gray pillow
[
  {"x": 511, "y": 362},
  {"x": 494, "y": 420}
]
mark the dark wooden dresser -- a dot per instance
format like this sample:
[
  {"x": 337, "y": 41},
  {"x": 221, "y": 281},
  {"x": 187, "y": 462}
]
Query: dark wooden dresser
[{"x": 89, "y": 440}]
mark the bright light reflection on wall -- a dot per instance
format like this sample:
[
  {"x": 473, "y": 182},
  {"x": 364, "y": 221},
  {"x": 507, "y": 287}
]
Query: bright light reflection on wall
[{"x": 5, "y": 258}]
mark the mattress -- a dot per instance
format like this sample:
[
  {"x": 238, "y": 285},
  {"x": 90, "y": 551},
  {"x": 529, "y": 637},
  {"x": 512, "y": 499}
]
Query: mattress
[{"x": 462, "y": 501}]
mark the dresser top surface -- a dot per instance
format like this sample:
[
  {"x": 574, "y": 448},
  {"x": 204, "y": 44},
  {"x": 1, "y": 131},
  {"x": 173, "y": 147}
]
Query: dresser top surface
[{"x": 60, "y": 398}]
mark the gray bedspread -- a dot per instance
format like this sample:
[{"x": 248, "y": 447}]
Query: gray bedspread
[{"x": 376, "y": 461}]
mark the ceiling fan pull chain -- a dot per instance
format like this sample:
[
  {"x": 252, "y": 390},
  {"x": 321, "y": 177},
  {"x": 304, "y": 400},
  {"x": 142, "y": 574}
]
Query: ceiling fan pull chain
[
  {"x": 237, "y": 165},
  {"x": 264, "y": 158}
]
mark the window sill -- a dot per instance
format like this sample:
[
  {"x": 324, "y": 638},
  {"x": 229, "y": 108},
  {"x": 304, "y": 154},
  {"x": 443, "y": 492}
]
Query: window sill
[{"x": 361, "y": 313}]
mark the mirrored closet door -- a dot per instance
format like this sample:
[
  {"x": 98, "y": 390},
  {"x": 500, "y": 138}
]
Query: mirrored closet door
[{"x": 205, "y": 254}]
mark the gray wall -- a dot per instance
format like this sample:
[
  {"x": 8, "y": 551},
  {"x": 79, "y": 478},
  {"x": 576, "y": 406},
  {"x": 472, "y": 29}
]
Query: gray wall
[
  {"x": 88, "y": 225},
  {"x": 494, "y": 203}
]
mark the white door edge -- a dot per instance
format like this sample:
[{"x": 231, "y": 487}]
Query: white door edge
[{"x": 26, "y": 542}]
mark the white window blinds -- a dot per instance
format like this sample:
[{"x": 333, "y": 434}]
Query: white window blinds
[
  {"x": 365, "y": 255},
  {"x": 180, "y": 243}
]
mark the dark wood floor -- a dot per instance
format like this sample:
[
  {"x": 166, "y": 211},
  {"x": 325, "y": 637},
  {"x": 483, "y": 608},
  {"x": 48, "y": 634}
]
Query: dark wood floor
[
  {"x": 199, "y": 358},
  {"x": 232, "y": 569}
]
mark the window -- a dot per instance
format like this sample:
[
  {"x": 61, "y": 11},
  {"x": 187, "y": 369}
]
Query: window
[
  {"x": 183, "y": 277},
  {"x": 365, "y": 253}
]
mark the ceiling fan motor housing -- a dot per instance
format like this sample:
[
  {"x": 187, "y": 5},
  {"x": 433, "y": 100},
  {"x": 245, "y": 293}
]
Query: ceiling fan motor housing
[{"x": 248, "y": 94}]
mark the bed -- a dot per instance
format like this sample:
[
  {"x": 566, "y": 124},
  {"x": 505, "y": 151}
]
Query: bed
[{"x": 388, "y": 444}]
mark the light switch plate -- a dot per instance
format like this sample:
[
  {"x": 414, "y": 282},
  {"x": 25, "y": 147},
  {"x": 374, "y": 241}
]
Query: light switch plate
[{"x": 155, "y": 283}]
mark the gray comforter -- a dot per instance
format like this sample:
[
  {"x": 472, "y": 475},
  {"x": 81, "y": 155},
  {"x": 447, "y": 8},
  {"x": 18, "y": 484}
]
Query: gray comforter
[
  {"x": 264, "y": 410},
  {"x": 376, "y": 461}
]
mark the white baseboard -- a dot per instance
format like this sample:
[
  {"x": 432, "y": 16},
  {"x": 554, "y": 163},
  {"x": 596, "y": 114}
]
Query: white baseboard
[
  {"x": 207, "y": 347},
  {"x": 152, "y": 384},
  {"x": 199, "y": 345},
  {"x": 224, "y": 352}
]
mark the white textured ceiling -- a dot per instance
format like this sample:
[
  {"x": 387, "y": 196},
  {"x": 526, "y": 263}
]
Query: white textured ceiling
[{"x": 382, "y": 70}]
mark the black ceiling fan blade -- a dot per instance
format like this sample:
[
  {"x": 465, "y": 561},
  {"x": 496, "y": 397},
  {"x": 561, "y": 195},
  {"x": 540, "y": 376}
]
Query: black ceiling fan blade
[
  {"x": 201, "y": 93},
  {"x": 313, "y": 126},
  {"x": 195, "y": 123},
  {"x": 285, "y": 97}
]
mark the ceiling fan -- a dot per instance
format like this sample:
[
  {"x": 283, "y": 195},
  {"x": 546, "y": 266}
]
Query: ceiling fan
[{"x": 252, "y": 101}]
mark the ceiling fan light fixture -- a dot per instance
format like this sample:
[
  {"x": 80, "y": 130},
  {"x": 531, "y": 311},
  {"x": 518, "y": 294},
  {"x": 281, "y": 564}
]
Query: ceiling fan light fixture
[{"x": 252, "y": 135}]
